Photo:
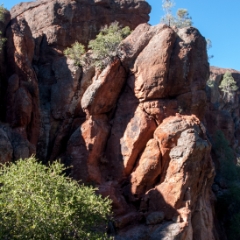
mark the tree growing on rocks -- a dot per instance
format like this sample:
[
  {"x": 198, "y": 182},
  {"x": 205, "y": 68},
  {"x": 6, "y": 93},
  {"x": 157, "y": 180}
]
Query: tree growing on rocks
[
  {"x": 39, "y": 202},
  {"x": 167, "y": 6},
  {"x": 103, "y": 49},
  {"x": 76, "y": 53},
  {"x": 181, "y": 20},
  {"x": 228, "y": 86}
]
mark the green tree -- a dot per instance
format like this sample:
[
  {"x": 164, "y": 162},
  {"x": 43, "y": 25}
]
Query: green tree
[
  {"x": 39, "y": 202},
  {"x": 167, "y": 6},
  {"x": 181, "y": 20},
  {"x": 228, "y": 86},
  {"x": 103, "y": 49},
  {"x": 105, "y": 46},
  {"x": 76, "y": 52}
]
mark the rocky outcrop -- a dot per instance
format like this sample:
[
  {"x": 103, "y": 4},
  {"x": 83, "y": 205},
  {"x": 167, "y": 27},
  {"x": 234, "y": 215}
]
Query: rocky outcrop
[
  {"x": 45, "y": 99},
  {"x": 59, "y": 23},
  {"x": 179, "y": 200},
  {"x": 128, "y": 129}
]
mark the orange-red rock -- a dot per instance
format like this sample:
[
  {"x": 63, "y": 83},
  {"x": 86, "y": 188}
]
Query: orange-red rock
[
  {"x": 187, "y": 166},
  {"x": 85, "y": 148},
  {"x": 148, "y": 168},
  {"x": 101, "y": 96},
  {"x": 151, "y": 83}
]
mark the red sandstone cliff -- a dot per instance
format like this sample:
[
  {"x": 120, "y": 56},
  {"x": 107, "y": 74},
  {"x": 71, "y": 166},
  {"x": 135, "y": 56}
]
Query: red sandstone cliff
[{"x": 130, "y": 129}]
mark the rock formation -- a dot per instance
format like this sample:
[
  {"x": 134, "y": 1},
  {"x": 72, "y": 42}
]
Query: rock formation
[{"x": 134, "y": 129}]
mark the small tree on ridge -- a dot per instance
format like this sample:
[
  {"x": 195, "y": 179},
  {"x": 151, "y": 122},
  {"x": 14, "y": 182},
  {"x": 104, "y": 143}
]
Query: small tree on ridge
[{"x": 229, "y": 86}]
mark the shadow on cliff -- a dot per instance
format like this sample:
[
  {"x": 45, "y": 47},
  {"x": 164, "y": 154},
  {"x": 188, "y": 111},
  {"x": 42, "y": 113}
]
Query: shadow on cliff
[{"x": 125, "y": 110}]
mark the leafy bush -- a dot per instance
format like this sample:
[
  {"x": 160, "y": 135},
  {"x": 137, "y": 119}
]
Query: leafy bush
[
  {"x": 103, "y": 49},
  {"x": 76, "y": 53},
  {"x": 105, "y": 46},
  {"x": 39, "y": 202}
]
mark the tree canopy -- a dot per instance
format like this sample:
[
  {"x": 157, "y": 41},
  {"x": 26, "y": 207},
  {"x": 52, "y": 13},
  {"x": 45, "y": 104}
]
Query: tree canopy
[{"x": 228, "y": 86}]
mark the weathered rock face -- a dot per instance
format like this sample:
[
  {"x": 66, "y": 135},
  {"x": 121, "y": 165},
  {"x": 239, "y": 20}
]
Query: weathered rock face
[
  {"x": 13, "y": 146},
  {"x": 45, "y": 100},
  {"x": 61, "y": 23},
  {"x": 179, "y": 200},
  {"x": 124, "y": 129},
  {"x": 22, "y": 92}
]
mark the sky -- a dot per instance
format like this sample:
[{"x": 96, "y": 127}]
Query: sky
[{"x": 218, "y": 20}]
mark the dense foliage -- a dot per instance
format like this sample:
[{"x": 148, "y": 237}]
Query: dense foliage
[
  {"x": 105, "y": 46},
  {"x": 103, "y": 49},
  {"x": 39, "y": 202},
  {"x": 228, "y": 204}
]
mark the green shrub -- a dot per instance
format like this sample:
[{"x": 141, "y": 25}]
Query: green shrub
[
  {"x": 103, "y": 49},
  {"x": 105, "y": 46},
  {"x": 39, "y": 202},
  {"x": 76, "y": 53}
]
